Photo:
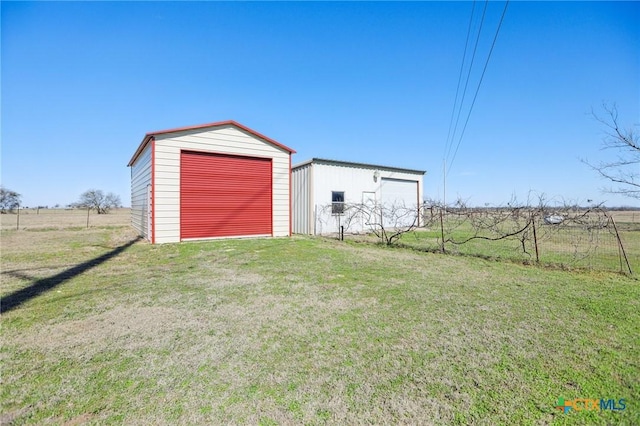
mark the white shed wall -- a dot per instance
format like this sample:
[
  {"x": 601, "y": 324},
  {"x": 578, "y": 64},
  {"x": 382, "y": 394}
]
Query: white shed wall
[
  {"x": 222, "y": 140},
  {"x": 312, "y": 212},
  {"x": 140, "y": 181}
]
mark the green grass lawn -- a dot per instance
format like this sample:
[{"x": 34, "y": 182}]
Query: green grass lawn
[{"x": 305, "y": 331}]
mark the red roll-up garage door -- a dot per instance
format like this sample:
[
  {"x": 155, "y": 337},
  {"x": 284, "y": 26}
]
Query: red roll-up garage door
[{"x": 224, "y": 195}]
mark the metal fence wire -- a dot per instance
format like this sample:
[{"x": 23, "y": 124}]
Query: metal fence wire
[
  {"x": 569, "y": 237},
  {"x": 575, "y": 238}
]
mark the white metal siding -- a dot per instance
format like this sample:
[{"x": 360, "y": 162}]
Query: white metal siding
[
  {"x": 354, "y": 181},
  {"x": 140, "y": 180},
  {"x": 223, "y": 140},
  {"x": 301, "y": 200}
]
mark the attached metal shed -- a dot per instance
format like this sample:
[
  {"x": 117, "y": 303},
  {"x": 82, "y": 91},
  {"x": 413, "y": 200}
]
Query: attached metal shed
[
  {"x": 318, "y": 183},
  {"x": 210, "y": 181}
]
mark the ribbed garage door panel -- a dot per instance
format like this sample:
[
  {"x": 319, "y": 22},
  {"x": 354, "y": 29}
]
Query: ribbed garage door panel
[
  {"x": 396, "y": 195},
  {"x": 224, "y": 195}
]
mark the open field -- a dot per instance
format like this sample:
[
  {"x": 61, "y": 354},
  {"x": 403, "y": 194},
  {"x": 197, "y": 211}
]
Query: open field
[
  {"x": 30, "y": 219},
  {"x": 100, "y": 328},
  {"x": 629, "y": 217}
]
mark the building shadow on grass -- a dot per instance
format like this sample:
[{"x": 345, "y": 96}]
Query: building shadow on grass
[{"x": 39, "y": 286}]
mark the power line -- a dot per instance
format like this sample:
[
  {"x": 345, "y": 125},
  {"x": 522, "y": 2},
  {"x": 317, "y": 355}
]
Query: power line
[
  {"x": 504, "y": 11},
  {"x": 466, "y": 84},
  {"x": 455, "y": 102}
]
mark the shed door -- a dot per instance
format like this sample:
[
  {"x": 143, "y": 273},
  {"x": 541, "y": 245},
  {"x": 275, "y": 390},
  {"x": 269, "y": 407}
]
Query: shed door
[
  {"x": 399, "y": 199},
  {"x": 224, "y": 195}
]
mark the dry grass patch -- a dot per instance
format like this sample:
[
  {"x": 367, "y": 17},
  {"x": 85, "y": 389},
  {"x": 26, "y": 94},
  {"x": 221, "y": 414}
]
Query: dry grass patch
[{"x": 123, "y": 329}]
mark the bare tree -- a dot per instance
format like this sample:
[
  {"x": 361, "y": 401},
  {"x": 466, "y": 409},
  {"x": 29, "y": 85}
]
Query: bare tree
[
  {"x": 95, "y": 199},
  {"x": 388, "y": 222},
  {"x": 9, "y": 200},
  {"x": 625, "y": 170}
]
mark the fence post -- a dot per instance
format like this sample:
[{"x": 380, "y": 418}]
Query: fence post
[
  {"x": 88, "y": 210},
  {"x": 620, "y": 247},
  {"x": 441, "y": 232},
  {"x": 535, "y": 237},
  {"x": 18, "y": 219}
]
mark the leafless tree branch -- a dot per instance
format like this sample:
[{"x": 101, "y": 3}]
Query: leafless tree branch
[{"x": 625, "y": 171}]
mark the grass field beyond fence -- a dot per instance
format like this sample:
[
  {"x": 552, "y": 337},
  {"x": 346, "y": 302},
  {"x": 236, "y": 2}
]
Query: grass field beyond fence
[
  {"x": 589, "y": 245},
  {"x": 39, "y": 219},
  {"x": 101, "y": 328}
]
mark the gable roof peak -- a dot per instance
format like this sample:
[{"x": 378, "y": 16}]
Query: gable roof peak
[{"x": 150, "y": 135}]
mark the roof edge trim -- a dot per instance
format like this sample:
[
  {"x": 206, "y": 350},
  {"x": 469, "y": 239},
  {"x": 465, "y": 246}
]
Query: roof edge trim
[{"x": 355, "y": 164}]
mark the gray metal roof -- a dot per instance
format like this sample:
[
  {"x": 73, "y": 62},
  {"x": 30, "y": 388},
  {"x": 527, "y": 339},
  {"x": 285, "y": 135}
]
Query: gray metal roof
[{"x": 354, "y": 164}]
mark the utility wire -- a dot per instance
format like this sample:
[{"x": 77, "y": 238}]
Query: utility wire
[
  {"x": 466, "y": 84},
  {"x": 504, "y": 11},
  {"x": 455, "y": 102}
]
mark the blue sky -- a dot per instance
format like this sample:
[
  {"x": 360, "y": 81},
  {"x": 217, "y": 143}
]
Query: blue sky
[{"x": 369, "y": 82}]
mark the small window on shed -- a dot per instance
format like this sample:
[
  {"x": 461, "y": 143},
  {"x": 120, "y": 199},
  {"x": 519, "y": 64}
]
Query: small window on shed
[{"x": 337, "y": 202}]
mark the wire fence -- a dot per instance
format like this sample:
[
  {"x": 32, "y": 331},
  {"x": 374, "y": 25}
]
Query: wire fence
[
  {"x": 42, "y": 219},
  {"x": 567, "y": 237}
]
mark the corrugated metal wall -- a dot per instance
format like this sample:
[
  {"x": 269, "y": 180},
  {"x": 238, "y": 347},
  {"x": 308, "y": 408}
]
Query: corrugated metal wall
[
  {"x": 314, "y": 182},
  {"x": 301, "y": 200},
  {"x": 140, "y": 180},
  {"x": 224, "y": 195}
]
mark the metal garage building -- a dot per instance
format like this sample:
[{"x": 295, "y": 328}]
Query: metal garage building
[
  {"x": 210, "y": 181},
  {"x": 319, "y": 184}
]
